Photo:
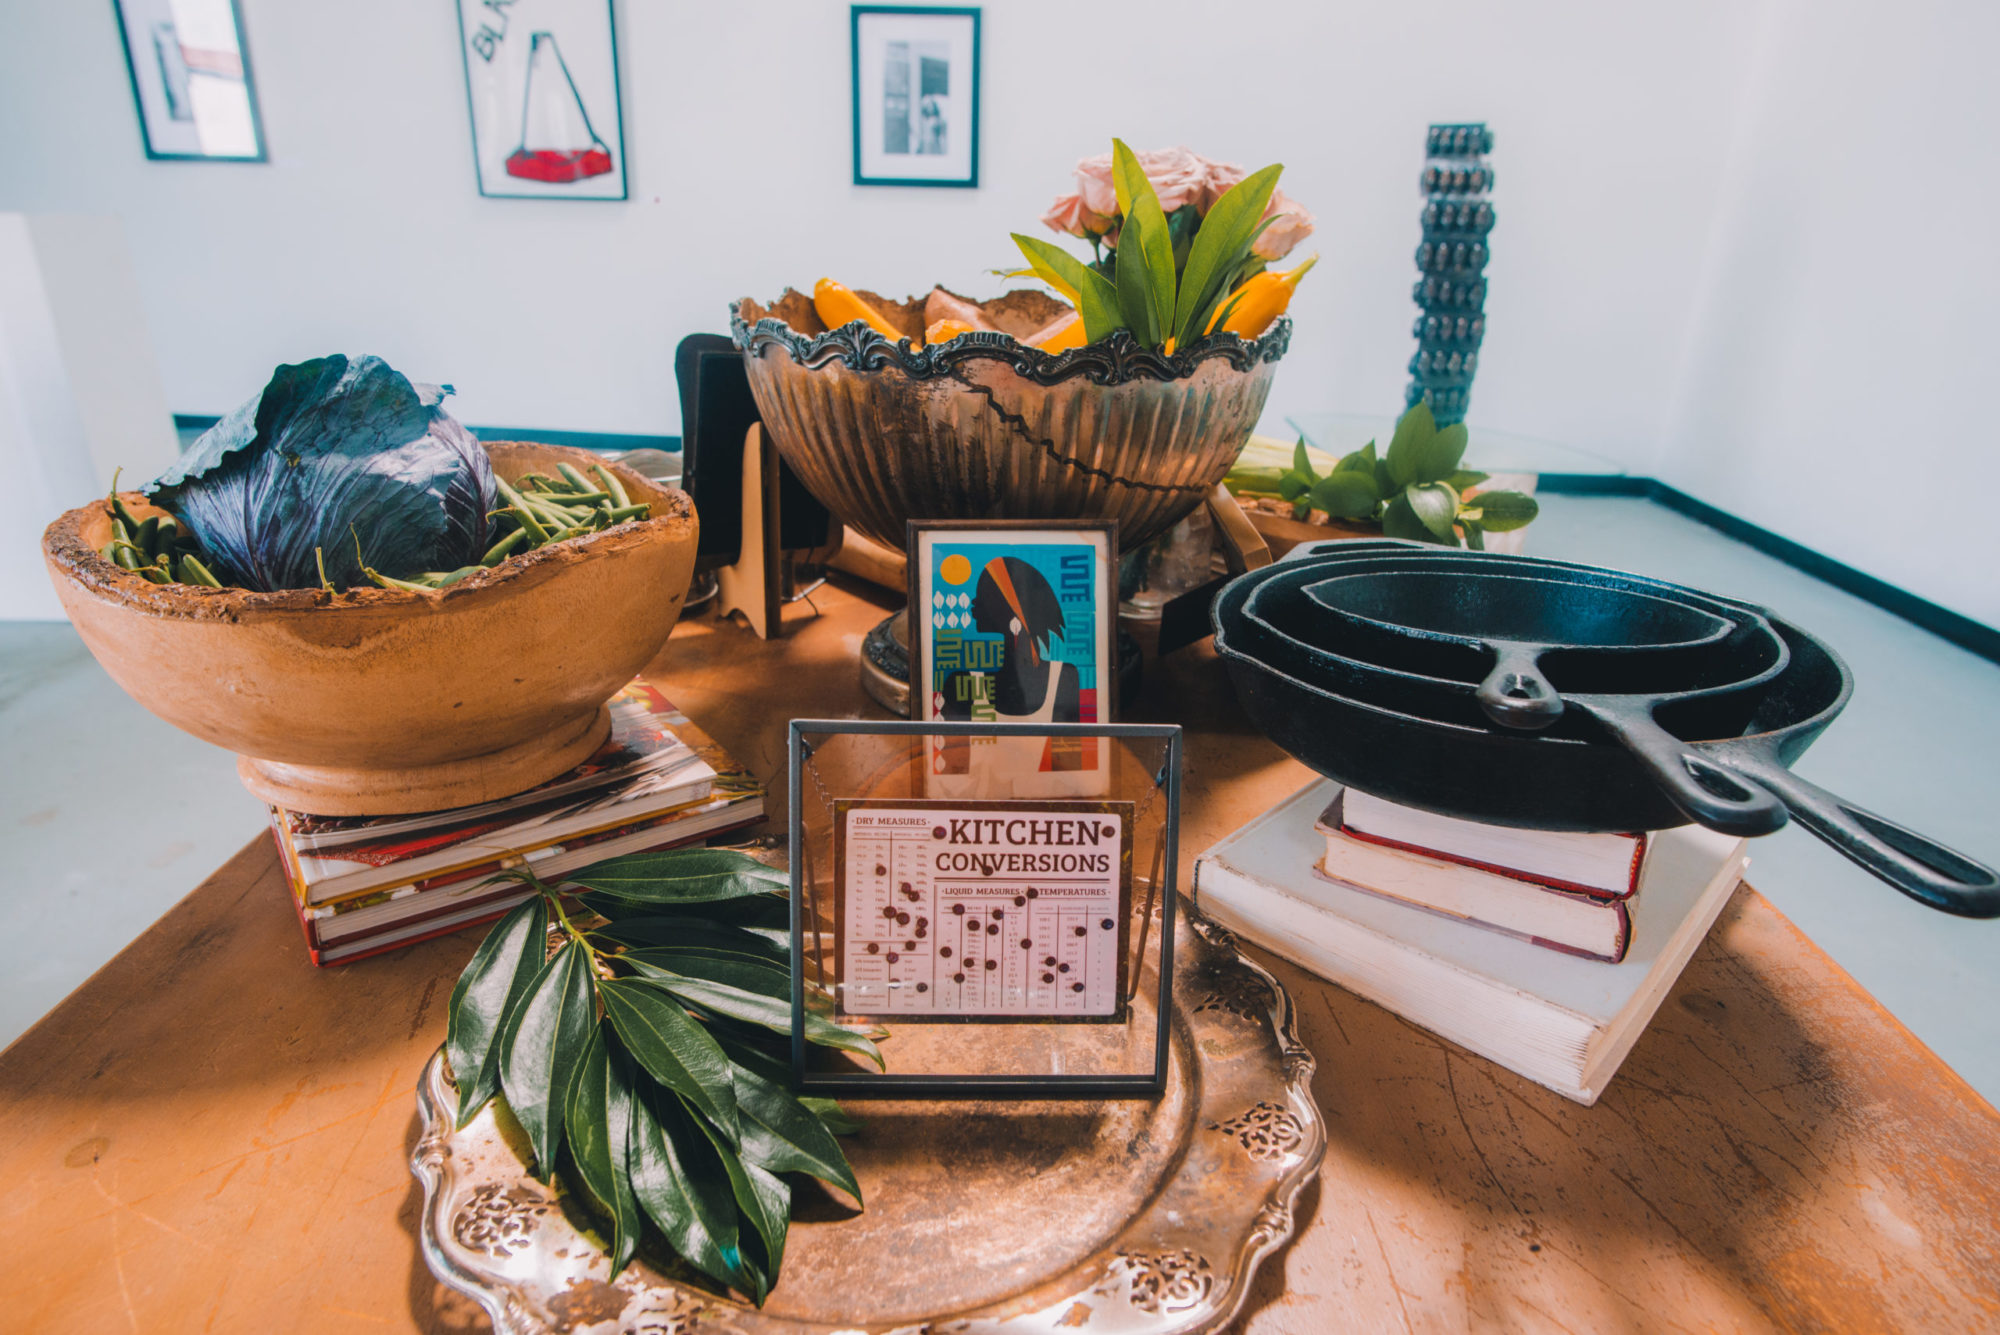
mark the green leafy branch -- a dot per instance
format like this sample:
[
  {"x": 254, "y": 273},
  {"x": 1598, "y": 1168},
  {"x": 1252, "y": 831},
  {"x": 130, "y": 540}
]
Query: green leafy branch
[
  {"x": 647, "y": 1057},
  {"x": 1168, "y": 276},
  {"x": 1415, "y": 491}
]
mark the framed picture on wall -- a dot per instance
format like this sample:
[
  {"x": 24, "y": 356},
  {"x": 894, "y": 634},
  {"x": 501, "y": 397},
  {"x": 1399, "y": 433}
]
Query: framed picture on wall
[
  {"x": 191, "y": 78},
  {"x": 916, "y": 96},
  {"x": 541, "y": 81}
]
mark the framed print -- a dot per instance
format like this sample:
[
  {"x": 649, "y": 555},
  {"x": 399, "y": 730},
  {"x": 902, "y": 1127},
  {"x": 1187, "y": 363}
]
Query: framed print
[
  {"x": 1013, "y": 621},
  {"x": 541, "y": 83},
  {"x": 916, "y": 96},
  {"x": 191, "y": 78},
  {"x": 1021, "y": 947}
]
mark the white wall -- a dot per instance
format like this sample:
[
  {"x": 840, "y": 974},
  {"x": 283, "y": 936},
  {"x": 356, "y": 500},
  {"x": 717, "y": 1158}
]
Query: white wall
[
  {"x": 366, "y": 232},
  {"x": 1841, "y": 368},
  {"x": 1735, "y": 239}
]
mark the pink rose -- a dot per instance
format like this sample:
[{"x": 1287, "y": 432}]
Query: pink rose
[
  {"x": 1293, "y": 225},
  {"x": 1178, "y": 177},
  {"x": 1069, "y": 214},
  {"x": 1221, "y": 177}
]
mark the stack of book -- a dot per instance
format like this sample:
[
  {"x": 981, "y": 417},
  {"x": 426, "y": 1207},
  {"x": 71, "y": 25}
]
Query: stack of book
[
  {"x": 366, "y": 884},
  {"x": 1546, "y": 952}
]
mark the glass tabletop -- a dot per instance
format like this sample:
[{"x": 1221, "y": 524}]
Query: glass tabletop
[{"x": 1490, "y": 450}]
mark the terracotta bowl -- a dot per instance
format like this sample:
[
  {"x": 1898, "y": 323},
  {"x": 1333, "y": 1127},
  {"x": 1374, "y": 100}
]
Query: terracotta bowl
[{"x": 379, "y": 701}]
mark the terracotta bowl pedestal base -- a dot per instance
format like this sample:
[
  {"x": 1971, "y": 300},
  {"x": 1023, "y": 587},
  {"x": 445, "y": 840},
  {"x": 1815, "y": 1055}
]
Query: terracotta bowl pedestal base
[{"x": 328, "y": 791}]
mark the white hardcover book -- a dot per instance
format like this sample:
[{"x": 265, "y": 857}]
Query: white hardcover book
[
  {"x": 1599, "y": 864},
  {"x": 1560, "y": 1020}
]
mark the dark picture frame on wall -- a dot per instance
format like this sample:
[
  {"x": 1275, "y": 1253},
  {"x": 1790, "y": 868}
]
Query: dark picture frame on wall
[
  {"x": 915, "y": 95},
  {"x": 543, "y": 94},
  {"x": 190, "y": 73}
]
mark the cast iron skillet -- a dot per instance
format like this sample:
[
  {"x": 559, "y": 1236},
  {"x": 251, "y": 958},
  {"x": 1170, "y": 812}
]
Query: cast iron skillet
[
  {"x": 1616, "y": 693},
  {"x": 1547, "y": 781},
  {"x": 1408, "y": 614}
]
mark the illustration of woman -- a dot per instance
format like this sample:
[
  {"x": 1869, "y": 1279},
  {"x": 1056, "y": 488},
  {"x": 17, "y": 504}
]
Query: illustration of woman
[{"x": 1015, "y": 601}]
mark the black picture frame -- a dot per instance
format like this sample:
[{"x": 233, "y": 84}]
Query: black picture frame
[
  {"x": 1107, "y": 671},
  {"x": 855, "y": 15},
  {"x": 617, "y": 112},
  {"x": 837, "y": 1085},
  {"x": 139, "y": 102}
]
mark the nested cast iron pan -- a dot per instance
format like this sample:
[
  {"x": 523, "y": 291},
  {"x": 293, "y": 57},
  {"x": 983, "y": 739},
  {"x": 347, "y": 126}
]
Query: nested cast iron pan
[
  {"x": 1555, "y": 782},
  {"x": 1614, "y": 696},
  {"x": 1407, "y": 614}
]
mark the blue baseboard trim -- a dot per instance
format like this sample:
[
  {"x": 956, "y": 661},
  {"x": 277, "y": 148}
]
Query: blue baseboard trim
[
  {"x": 1973, "y": 636},
  {"x": 605, "y": 442}
]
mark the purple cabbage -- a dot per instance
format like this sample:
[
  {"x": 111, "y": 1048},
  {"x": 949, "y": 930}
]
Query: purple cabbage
[{"x": 331, "y": 449}]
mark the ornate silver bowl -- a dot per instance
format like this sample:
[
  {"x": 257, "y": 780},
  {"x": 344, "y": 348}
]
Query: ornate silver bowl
[{"x": 986, "y": 427}]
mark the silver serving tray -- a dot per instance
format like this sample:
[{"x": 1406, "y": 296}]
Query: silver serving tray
[{"x": 982, "y": 1217}]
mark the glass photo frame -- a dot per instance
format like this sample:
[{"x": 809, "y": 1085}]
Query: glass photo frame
[
  {"x": 916, "y": 95},
  {"x": 997, "y": 946},
  {"x": 190, "y": 73}
]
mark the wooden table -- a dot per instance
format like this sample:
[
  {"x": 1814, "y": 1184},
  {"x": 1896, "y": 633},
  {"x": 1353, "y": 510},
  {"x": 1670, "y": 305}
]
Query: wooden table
[{"x": 210, "y": 1134}]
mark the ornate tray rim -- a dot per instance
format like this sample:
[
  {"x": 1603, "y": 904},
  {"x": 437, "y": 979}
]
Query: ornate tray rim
[
  {"x": 1116, "y": 360},
  {"x": 1167, "y": 1290}
]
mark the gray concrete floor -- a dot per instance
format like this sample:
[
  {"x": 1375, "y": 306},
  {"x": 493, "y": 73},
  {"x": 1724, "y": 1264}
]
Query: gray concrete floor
[{"x": 111, "y": 815}]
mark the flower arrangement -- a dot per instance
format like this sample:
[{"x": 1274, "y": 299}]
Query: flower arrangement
[{"x": 1196, "y": 238}]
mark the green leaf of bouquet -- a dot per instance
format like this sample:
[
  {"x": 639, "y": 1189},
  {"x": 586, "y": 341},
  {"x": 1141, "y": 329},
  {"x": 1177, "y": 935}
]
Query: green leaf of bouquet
[
  {"x": 765, "y": 1012},
  {"x": 1465, "y": 479},
  {"x": 783, "y": 1135},
  {"x": 599, "y": 1123},
  {"x": 1346, "y": 495},
  {"x": 765, "y": 1203},
  {"x": 680, "y": 876},
  {"x": 1435, "y": 505},
  {"x": 1096, "y": 298},
  {"x": 1400, "y": 521},
  {"x": 831, "y": 1115},
  {"x": 1415, "y": 431},
  {"x": 544, "y": 1043},
  {"x": 1226, "y": 236},
  {"x": 672, "y": 1047},
  {"x": 699, "y": 934},
  {"x": 1502, "y": 511},
  {"x": 1146, "y": 290},
  {"x": 496, "y": 979},
  {"x": 679, "y": 1179},
  {"x": 766, "y": 979}
]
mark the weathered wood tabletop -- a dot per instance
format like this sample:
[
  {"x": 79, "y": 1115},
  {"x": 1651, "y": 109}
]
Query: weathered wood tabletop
[{"x": 210, "y": 1134}]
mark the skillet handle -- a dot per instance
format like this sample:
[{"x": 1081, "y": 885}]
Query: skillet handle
[
  {"x": 1720, "y": 798},
  {"x": 1515, "y": 694},
  {"x": 1921, "y": 868}
]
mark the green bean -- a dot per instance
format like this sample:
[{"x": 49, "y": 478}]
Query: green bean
[
  {"x": 155, "y": 575},
  {"x": 148, "y": 536},
  {"x": 537, "y": 480},
  {"x": 498, "y": 551},
  {"x": 625, "y": 512},
  {"x": 192, "y": 566},
  {"x": 444, "y": 579},
  {"x": 529, "y": 524},
  {"x": 124, "y": 553},
  {"x": 119, "y": 510},
  {"x": 609, "y": 481},
  {"x": 319, "y": 559},
  {"x": 574, "y": 478},
  {"x": 570, "y": 500},
  {"x": 387, "y": 582}
]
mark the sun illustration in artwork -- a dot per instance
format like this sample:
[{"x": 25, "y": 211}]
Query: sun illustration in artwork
[{"x": 956, "y": 568}]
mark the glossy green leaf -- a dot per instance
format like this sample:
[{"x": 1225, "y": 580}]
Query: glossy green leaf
[
  {"x": 545, "y": 1041},
  {"x": 1358, "y": 461},
  {"x": 1465, "y": 479},
  {"x": 1219, "y": 249},
  {"x": 699, "y": 933},
  {"x": 681, "y": 1183},
  {"x": 1502, "y": 511},
  {"x": 1408, "y": 448},
  {"x": 1096, "y": 298},
  {"x": 765, "y": 1203},
  {"x": 499, "y": 975},
  {"x": 1440, "y": 457},
  {"x": 766, "y": 910},
  {"x": 680, "y": 876},
  {"x": 672, "y": 1047},
  {"x": 762, "y": 1053},
  {"x": 765, "y": 1012},
  {"x": 599, "y": 1126},
  {"x": 1384, "y": 483},
  {"x": 1146, "y": 289},
  {"x": 771, "y": 980},
  {"x": 1346, "y": 495},
  {"x": 1302, "y": 461},
  {"x": 1293, "y": 485},
  {"x": 1435, "y": 506},
  {"x": 1400, "y": 521},
  {"x": 783, "y": 1135},
  {"x": 1474, "y": 539},
  {"x": 831, "y": 1115}
]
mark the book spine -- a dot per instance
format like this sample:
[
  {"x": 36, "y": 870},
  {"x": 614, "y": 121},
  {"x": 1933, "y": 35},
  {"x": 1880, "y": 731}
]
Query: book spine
[
  {"x": 1624, "y": 937},
  {"x": 1596, "y": 892}
]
